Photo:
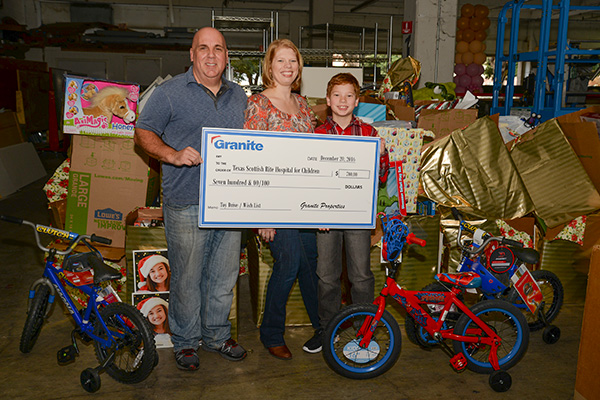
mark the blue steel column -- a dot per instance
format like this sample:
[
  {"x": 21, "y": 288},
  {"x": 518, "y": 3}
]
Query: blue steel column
[
  {"x": 561, "y": 52},
  {"x": 512, "y": 55},
  {"x": 502, "y": 19},
  {"x": 542, "y": 59}
]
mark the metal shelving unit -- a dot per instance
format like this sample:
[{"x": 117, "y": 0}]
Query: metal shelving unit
[
  {"x": 269, "y": 28},
  {"x": 360, "y": 55},
  {"x": 549, "y": 103}
]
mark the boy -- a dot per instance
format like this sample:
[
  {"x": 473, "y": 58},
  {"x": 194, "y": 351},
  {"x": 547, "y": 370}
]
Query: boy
[{"x": 342, "y": 98}]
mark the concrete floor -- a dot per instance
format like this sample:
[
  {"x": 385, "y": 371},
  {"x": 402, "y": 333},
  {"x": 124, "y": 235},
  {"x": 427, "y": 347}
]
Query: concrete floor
[{"x": 546, "y": 371}]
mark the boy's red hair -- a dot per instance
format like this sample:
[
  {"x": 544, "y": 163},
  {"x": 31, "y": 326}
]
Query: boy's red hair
[{"x": 343, "y": 78}]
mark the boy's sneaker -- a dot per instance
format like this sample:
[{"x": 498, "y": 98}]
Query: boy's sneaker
[
  {"x": 315, "y": 343},
  {"x": 230, "y": 350},
  {"x": 187, "y": 359}
]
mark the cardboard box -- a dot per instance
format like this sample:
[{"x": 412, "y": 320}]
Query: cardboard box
[
  {"x": 443, "y": 123},
  {"x": 587, "y": 384},
  {"x": 10, "y": 132},
  {"x": 97, "y": 107},
  {"x": 321, "y": 112},
  {"x": 397, "y": 109},
  {"x": 20, "y": 165},
  {"x": 58, "y": 212},
  {"x": 583, "y": 137},
  {"x": 577, "y": 115},
  {"x": 109, "y": 177},
  {"x": 368, "y": 99}
]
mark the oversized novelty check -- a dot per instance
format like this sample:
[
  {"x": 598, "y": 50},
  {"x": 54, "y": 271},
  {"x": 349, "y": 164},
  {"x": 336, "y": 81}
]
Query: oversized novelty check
[{"x": 287, "y": 180}]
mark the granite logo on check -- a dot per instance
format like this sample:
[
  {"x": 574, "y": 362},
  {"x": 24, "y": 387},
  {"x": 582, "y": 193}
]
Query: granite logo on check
[{"x": 249, "y": 145}]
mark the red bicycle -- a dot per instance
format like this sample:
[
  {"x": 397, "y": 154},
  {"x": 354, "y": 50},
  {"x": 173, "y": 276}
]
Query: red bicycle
[{"x": 363, "y": 340}]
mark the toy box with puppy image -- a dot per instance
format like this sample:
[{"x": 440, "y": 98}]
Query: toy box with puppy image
[{"x": 99, "y": 107}]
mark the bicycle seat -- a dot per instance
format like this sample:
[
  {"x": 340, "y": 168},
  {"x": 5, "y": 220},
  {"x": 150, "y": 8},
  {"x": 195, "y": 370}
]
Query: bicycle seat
[
  {"x": 103, "y": 272},
  {"x": 85, "y": 261},
  {"x": 78, "y": 262},
  {"x": 465, "y": 280},
  {"x": 530, "y": 256}
]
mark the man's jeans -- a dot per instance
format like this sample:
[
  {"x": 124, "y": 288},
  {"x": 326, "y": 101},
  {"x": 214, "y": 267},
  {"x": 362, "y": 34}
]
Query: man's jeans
[
  {"x": 329, "y": 269},
  {"x": 204, "y": 269},
  {"x": 295, "y": 256}
]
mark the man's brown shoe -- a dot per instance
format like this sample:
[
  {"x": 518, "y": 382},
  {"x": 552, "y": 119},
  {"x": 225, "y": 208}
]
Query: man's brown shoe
[{"x": 281, "y": 352}]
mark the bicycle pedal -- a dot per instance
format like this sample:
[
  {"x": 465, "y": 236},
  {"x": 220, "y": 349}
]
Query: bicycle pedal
[
  {"x": 66, "y": 354},
  {"x": 459, "y": 362}
]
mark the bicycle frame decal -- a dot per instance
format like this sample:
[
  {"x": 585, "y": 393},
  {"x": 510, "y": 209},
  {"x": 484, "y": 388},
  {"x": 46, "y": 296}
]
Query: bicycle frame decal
[
  {"x": 431, "y": 297},
  {"x": 56, "y": 232},
  {"x": 55, "y": 280}
]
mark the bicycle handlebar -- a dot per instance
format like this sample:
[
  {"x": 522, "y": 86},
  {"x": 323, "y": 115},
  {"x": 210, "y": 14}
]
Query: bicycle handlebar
[
  {"x": 487, "y": 238},
  {"x": 74, "y": 238},
  {"x": 412, "y": 239},
  {"x": 14, "y": 220},
  {"x": 100, "y": 239},
  {"x": 395, "y": 235},
  {"x": 456, "y": 214}
]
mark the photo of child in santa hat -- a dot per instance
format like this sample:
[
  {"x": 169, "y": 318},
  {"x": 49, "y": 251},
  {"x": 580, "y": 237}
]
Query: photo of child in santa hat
[
  {"x": 156, "y": 310},
  {"x": 154, "y": 273}
]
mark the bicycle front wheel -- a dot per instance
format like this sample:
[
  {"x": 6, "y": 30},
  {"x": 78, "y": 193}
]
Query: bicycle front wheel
[
  {"x": 132, "y": 343},
  {"x": 341, "y": 346},
  {"x": 35, "y": 318},
  {"x": 506, "y": 321}
]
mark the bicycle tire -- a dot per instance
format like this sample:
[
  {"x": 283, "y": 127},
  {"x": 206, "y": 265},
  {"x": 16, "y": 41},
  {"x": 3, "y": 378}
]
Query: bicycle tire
[
  {"x": 507, "y": 321},
  {"x": 340, "y": 347},
  {"x": 553, "y": 293},
  {"x": 135, "y": 352},
  {"x": 35, "y": 318}
]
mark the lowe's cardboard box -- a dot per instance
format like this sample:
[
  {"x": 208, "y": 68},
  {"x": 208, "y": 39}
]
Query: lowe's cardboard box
[{"x": 109, "y": 177}]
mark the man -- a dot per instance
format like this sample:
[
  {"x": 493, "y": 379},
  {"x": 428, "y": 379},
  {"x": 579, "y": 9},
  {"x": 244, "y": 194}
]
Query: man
[{"x": 204, "y": 262}]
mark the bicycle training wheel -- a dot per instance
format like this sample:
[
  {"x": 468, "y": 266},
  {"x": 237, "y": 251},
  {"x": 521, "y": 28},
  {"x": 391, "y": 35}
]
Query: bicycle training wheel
[
  {"x": 553, "y": 293},
  {"x": 506, "y": 321},
  {"x": 343, "y": 353},
  {"x": 132, "y": 343},
  {"x": 35, "y": 318}
]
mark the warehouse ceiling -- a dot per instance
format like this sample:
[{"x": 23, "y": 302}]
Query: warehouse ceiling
[
  {"x": 143, "y": 24},
  {"x": 377, "y": 7}
]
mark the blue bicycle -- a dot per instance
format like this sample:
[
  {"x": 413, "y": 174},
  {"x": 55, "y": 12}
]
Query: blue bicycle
[{"x": 123, "y": 339}]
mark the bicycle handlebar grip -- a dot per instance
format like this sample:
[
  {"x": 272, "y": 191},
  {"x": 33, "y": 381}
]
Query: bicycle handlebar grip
[
  {"x": 8, "y": 218},
  {"x": 412, "y": 239},
  {"x": 100, "y": 239},
  {"x": 456, "y": 214},
  {"x": 511, "y": 242}
]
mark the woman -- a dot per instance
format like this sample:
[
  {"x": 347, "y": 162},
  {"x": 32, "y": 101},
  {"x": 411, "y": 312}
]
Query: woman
[{"x": 294, "y": 250}]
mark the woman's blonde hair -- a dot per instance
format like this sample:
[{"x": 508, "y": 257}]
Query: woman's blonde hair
[{"x": 275, "y": 45}]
